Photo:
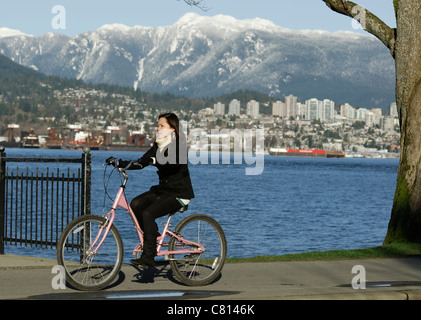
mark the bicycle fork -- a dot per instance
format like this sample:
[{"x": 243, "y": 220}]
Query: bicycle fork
[
  {"x": 101, "y": 235},
  {"x": 119, "y": 201}
]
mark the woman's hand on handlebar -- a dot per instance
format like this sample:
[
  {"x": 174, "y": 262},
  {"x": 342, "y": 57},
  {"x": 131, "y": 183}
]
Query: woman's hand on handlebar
[
  {"x": 111, "y": 161},
  {"x": 125, "y": 165}
]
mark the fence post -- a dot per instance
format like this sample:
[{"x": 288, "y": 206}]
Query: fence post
[
  {"x": 2, "y": 196},
  {"x": 86, "y": 181},
  {"x": 86, "y": 196}
]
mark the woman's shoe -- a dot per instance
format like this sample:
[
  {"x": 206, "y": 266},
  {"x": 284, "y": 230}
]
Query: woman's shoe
[{"x": 143, "y": 262}]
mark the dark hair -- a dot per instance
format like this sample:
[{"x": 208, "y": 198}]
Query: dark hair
[
  {"x": 172, "y": 120},
  {"x": 181, "y": 141}
]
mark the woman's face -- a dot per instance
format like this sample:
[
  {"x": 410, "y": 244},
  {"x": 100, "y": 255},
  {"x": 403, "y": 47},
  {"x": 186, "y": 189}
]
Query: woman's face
[{"x": 164, "y": 128}]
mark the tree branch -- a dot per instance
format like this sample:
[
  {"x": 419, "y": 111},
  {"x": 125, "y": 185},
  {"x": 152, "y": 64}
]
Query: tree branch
[
  {"x": 197, "y": 3},
  {"x": 368, "y": 21}
]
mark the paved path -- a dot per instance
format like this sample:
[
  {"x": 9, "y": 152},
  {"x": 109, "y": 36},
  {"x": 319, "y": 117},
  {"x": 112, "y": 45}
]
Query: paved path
[{"x": 398, "y": 279}]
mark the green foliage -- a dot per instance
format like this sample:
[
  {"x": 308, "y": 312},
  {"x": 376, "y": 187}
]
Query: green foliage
[
  {"x": 11, "y": 71},
  {"x": 332, "y": 134},
  {"x": 244, "y": 96},
  {"x": 358, "y": 125}
]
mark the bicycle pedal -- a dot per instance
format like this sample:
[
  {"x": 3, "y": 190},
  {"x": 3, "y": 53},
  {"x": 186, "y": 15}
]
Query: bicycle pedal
[{"x": 141, "y": 266}]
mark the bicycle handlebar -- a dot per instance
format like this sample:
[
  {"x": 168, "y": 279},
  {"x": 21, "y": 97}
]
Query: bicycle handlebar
[
  {"x": 131, "y": 163},
  {"x": 115, "y": 163}
]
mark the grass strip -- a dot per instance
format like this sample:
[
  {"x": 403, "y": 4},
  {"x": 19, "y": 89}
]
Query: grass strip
[{"x": 394, "y": 250}]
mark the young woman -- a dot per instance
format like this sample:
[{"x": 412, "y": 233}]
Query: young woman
[{"x": 169, "y": 155}]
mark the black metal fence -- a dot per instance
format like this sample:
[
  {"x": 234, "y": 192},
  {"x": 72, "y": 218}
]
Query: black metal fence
[{"x": 37, "y": 200}]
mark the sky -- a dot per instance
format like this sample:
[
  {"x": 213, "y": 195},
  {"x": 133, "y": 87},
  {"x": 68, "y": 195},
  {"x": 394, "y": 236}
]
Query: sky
[{"x": 36, "y": 17}]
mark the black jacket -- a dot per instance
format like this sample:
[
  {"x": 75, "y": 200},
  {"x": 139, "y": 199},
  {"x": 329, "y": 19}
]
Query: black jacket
[{"x": 173, "y": 172}]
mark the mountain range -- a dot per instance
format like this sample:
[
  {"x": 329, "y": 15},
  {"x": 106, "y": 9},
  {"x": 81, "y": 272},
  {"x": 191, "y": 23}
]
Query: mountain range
[{"x": 202, "y": 56}]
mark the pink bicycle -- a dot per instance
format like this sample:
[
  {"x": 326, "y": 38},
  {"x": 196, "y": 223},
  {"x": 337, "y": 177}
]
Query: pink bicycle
[{"x": 91, "y": 251}]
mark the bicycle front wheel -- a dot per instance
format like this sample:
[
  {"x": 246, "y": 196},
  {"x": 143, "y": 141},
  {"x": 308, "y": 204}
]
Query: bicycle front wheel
[
  {"x": 86, "y": 268},
  {"x": 198, "y": 269}
]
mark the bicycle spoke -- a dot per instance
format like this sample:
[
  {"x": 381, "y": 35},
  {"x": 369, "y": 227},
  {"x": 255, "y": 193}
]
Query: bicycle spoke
[
  {"x": 88, "y": 268},
  {"x": 199, "y": 268}
]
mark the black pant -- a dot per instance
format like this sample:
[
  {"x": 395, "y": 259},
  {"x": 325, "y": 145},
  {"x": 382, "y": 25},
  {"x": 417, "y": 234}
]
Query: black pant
[{"x": 147, "y": 207}]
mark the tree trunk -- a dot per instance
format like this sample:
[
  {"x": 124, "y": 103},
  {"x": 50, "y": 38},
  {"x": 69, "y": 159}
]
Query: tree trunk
[
  {"x": 404, "y": 44},
  {"x": 405, "y": 222}
]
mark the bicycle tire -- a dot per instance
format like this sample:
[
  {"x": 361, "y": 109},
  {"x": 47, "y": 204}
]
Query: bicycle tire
[
  {"x": 199, "y": 269},
  {"x": 100, "y": 269}
]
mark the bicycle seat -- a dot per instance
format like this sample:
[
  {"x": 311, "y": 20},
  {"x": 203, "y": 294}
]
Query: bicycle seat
[{"x": 183, "y": 209}]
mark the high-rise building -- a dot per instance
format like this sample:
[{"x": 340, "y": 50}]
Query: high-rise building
[
  {"x": 320, "y": 110},
  {"x": 219, "y": 108},
  {"x": 347, "y": 111},
  {"x": 234, "y": 107},
  {"x": 288, "y": 109},
  {"x": 394, "y": 110},
  {"x": 290, "y": 106},
  {"x": 253, "y": 108},
  {"x": 301, "y": 110},
  {"x": 389, "y": 123},
  {"x": 328, "y": 110},
  {"x": 361, "y": 114},
  {"x": 278, "y": 108},
  {"x": 377, "y": 116},
  {"x": 312, "y": 109}
]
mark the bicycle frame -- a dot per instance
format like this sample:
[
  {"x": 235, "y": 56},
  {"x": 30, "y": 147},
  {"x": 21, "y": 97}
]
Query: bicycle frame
[{"x": 121, "y": 201}]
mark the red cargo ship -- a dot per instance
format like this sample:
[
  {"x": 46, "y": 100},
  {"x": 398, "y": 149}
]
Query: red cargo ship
[{"x": 281, "y": 152}]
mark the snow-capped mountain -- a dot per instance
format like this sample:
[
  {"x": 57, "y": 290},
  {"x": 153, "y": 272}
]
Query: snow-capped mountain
[{"x": 210, "y": 56}]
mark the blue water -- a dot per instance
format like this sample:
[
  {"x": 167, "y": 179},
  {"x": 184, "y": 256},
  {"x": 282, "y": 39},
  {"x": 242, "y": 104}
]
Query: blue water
[{"x": 295, "y": 205}]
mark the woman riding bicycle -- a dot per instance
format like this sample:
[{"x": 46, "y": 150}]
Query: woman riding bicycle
[{"x": 169, "y": 155}]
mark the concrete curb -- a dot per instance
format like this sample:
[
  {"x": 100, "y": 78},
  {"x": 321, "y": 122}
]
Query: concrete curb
[
  {"x": 377, "y": 295},
  {"x": 9, "y": 261}
]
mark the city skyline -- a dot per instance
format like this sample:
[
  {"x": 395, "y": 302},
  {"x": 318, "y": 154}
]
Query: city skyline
[
  {"x": 364, "y": 131},
  {"x": 312, "y": 109}
]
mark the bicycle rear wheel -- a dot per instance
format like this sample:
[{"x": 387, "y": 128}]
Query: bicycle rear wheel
[
  {"x": 86, "y": 270},
  {"x": 198, "y": 269}
]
